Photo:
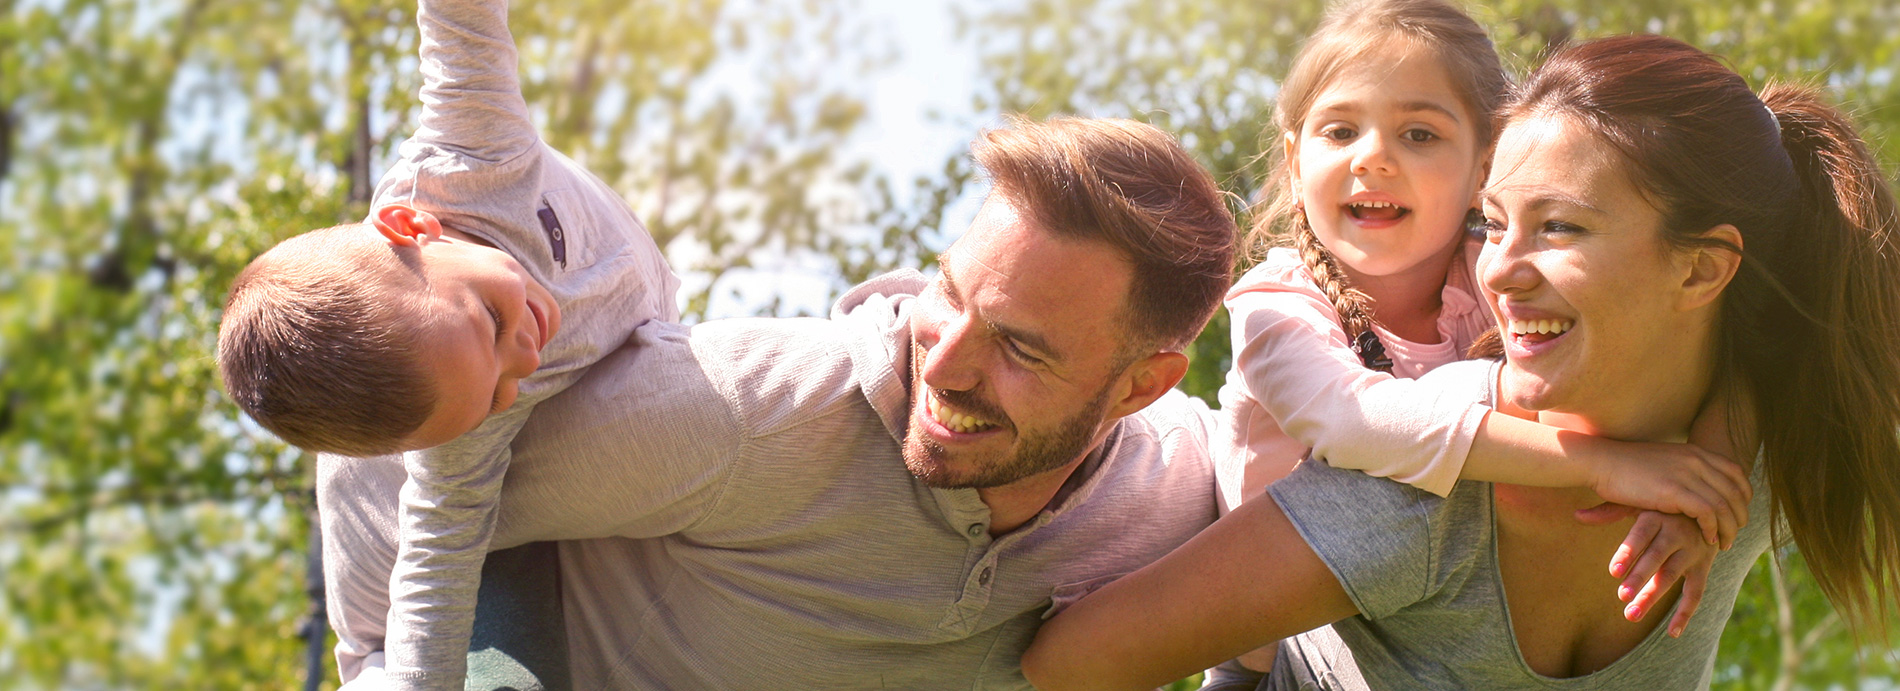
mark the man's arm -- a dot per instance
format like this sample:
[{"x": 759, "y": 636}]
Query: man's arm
[{"x": 1246, "y": 580}]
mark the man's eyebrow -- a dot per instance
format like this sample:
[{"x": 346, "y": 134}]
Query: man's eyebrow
[
  {"x": 949, "y": 284},
  {"x": 1034, "y": 341}
]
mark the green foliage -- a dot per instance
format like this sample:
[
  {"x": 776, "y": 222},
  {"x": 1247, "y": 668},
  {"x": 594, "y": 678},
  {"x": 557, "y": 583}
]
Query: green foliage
[
  {"x": 153, "y": 538},
  {"x": 1208, "y": 70},
  {"x": 148, "y": 150}
]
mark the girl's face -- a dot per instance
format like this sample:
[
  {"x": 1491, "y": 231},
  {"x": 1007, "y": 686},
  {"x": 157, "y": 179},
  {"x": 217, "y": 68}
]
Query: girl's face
[{"x": 1387, "y": 163}]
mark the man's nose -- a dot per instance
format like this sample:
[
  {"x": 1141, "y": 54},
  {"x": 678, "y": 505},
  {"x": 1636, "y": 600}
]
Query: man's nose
[{"x": 950, "y": 356}]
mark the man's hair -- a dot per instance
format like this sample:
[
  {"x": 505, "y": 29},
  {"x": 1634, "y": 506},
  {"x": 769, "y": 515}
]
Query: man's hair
[
  {"x": 1132, "y": 187},
  {"x": 315, "y": 345}
]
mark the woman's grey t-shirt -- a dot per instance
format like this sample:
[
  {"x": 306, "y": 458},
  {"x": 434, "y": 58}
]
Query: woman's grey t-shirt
[{"x": 1423, "y": 572}]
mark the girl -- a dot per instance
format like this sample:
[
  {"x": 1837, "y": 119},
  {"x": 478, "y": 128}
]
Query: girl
[{"x": 1386, "y": 120}]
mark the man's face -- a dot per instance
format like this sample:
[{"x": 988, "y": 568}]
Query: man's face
[{"x": 1018, "y": 353}]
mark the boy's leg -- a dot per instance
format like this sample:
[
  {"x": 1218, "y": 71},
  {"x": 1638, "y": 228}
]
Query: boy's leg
[{"x": 520, "y": 639}]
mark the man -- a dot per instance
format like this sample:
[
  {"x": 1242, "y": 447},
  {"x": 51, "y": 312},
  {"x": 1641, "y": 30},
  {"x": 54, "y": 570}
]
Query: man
[{"x": 889, "y": 498}]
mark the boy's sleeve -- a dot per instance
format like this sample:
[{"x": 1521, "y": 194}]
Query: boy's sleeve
[
  {"x": 447, "y": 517},
  {"x": 471, "y": 86},
  {"x": 1297, "y": 362}
]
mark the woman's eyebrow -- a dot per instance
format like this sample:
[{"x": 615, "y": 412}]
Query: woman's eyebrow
[{"x": 1544, "y": 197}]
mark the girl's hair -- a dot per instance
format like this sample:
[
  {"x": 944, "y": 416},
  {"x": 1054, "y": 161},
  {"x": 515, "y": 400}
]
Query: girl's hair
[
  {"x": 1809, "y": 332},
  {"x": 1349, "y": 33}
]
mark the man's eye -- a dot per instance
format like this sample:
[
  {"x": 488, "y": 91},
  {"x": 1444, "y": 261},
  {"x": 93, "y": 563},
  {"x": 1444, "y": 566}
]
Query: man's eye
[
  {"x": 1019, "y": 354},
  {"x": 496, "y": 316}
]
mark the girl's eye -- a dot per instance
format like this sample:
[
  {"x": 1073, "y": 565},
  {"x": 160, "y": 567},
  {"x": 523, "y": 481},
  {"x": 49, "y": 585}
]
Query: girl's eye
[
  {"x": 1339, "y": 133},
  {"x": 1418, "y": 136},
  {"x": 1493, "y": 229}
]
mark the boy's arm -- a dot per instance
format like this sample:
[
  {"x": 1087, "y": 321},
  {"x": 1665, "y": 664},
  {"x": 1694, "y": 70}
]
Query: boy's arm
[
  {"x": 471, "y": 86},
  {"x": 445, "y": 523}
]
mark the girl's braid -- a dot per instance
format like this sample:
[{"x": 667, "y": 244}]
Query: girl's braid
[{"x": 1347, "y": 301}]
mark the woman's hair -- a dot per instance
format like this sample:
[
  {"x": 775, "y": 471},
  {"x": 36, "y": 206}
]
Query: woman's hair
[
  {"x": 1350, "y": 32},
  {"x": 1809, "y": 332}
]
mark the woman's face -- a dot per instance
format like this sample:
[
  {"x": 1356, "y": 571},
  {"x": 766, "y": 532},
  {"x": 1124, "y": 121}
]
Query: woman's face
[{"x": 1587, "y": 297}]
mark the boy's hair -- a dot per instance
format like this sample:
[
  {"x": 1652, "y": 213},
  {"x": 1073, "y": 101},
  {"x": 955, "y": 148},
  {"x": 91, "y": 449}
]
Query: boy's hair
[
  {"x": 1350, "y": 31},
  {"x": 1132, "y": 187},
  {"x": 318, "y": 345}
]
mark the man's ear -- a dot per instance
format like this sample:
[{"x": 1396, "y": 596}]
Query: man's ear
[
  {"x": 405, "y": 225},
  {"x": 1148, "y": 379},
  {"x": 1711, "y": 268}
]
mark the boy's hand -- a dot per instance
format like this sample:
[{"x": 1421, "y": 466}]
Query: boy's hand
[
  {"x": 1676, "y": 479},
  {"x": 1661, "y": 548}
]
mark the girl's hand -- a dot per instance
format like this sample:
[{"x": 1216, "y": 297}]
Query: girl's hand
[
  {"x": 1675, "y": 479},
  {"x": 1661, "y": 548}
]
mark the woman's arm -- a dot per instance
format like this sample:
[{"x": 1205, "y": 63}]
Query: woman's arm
[{"x": 1247, "y": 580}]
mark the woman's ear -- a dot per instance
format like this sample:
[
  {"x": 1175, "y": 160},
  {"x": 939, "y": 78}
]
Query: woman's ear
[
  {"x": 1711, "y": 267},
  {"x": 407, "y": 226}
]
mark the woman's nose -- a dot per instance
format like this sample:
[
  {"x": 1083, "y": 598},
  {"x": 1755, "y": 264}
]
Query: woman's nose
[{"x": 1504, "y": 266}]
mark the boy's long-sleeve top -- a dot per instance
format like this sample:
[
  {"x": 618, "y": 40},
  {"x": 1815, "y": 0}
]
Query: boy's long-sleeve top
[{"x": 477, "y": 163}]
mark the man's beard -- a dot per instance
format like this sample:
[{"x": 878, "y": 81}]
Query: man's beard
[{"x": 1036, "y": 452}]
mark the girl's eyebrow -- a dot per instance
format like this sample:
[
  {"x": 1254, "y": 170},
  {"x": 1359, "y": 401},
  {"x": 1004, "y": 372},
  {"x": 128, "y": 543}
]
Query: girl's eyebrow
[{"x": 1430, "y": 107}]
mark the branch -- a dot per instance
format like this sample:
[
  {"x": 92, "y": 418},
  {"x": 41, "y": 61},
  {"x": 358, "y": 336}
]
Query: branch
[{"x": 167, "y": 496}]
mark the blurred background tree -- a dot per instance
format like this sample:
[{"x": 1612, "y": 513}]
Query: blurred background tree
[{"x": 151, "y": 537}]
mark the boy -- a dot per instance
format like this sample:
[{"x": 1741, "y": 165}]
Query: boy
[{"x": 436, "y": 326}]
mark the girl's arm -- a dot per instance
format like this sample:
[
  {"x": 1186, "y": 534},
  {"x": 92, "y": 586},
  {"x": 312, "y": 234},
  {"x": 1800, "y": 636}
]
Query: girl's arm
[
  {"x": 1295, "y": 360},
  {"x": 1246, "y": 580}
]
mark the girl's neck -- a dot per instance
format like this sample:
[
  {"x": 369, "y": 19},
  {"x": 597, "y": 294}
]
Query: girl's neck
[{"x": 1407, "y": 303}]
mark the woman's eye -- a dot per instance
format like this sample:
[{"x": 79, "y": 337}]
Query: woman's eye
[{"x": 1562, "y": 228}]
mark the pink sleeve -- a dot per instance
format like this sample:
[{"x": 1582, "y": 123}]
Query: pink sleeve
[{"x": 1293, "y": 357}]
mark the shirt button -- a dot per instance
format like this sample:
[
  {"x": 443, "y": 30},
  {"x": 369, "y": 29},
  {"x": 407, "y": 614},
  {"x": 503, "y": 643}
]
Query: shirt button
[
  {"x": 984, "y": 577},
  {"x": 976, "y": 530}
]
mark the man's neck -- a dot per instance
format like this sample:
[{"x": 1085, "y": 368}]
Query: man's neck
[{"x": 1014, "y": 504}]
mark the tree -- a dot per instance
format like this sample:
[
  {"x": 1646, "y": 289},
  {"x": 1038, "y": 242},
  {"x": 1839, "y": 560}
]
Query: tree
[{"x": 153, "y": 536}]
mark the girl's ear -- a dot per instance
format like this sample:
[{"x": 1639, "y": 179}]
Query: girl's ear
[
  {"x": 1289, "y": 147},
  {"x": 405, "y": 225}
]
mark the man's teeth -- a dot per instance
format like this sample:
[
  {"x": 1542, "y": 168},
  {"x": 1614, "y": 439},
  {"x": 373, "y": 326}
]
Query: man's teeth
[
  {"x": 1541, "y": 326},
  {"x": 957, "y": 422}
]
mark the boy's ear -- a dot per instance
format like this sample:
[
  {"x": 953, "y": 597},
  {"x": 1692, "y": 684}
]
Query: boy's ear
[{"x": 405, "y": 225}]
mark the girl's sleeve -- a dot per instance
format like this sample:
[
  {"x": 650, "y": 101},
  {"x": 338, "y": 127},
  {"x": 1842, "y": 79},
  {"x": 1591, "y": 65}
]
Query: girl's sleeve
[{"x": 1293, "y": 358}]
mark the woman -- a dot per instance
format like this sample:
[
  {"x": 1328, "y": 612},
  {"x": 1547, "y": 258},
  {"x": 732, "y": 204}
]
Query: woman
[{"x": 1708, "y": 245}]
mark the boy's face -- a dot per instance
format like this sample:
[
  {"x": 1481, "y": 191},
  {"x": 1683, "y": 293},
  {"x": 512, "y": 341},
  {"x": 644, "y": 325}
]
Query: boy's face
[{"x": 485, "y": 323}]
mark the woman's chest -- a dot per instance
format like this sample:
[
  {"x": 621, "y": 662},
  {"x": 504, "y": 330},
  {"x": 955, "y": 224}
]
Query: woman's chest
[{"x": 1564, "y": 610}]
